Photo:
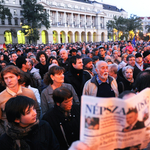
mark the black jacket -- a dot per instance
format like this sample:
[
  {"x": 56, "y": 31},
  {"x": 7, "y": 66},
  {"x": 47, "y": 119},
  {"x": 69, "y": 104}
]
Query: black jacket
[
  {"x": 42, "y": 69},
  {"x": 40, "y": 138},
  {"x": 77, "y": 81},
  {"x": 56, "y": 118}
]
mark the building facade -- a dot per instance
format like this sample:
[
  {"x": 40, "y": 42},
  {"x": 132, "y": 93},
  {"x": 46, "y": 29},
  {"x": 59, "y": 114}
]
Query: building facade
[
  {"x": 145, "y": 22},
  {"x": 70, "y": 20}
]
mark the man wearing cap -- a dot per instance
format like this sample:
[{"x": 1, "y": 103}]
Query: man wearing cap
[{"x": 88, "y": 66}]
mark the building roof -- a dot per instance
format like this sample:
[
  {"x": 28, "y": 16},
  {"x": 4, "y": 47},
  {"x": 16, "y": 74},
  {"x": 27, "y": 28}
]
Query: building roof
[{"x": 105, "y": 6}]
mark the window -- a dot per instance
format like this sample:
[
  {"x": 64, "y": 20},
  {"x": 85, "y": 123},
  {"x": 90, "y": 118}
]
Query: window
[
  {"x": 22, "y": 21},
  {"x": 16, "y": 21},
  {"x": 20, "y": 2},
  {"x": 14, "y": 1},
  {"x": 21, "y": 12},
  {"x": 9, "y": 21},
  {"x": 15, "y": 12},
  {"x": 3, "y": 21}
]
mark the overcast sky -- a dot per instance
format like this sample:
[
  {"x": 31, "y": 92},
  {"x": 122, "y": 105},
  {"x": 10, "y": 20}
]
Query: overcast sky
[{"x": 140, "y": 8}]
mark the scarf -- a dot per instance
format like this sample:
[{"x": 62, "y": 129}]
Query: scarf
[{"x": 17, "y": 133}]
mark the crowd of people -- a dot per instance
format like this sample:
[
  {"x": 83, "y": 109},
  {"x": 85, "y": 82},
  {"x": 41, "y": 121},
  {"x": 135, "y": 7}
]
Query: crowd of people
[{"x": 49, "y": 81}]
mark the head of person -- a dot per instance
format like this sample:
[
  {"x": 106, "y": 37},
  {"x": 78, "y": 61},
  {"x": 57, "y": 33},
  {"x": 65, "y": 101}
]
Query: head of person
[
  {"x": 48, "y": 52},
  {"x": 115, "y": 54},
  {"x": 87, "y": 64},
  {"x": 146, "y": 56},
  {"x": 22, "y": 63},
  {"x": 54, "y": 75},
  {"x": 131, "y": 60},
  {"x": 64, "y": 54},
  {"x": 21, "y": 110},
  {"x": 54, "y": 61},
  {"x": 41, "y": 57},
  {"x": 19, "y": 52},
  {"x": 53, "y": 53},
  {"x": 95, "y": 59},
  {"x": 129, "y": 43},
  {"x": 4, "y": 64},
  {"x": 142, "y": 81},
  {"x": 127, "y": 72},
  {"x": 33, "y": 58},
  {"x": 132, "y": 116},
  {"x": 102, "y": 51},
  {"x": 102, "y": 70},
  {"x": 95, "y": 51},
  {"x": 11, "y": 76},
  {"x": 73, "y": 52},
  {"x": 14, "y": 56},
  {"x": 109, "y": 61},
  {"x": 76, "y": 62},
  {"x": 126, "y": 94},
  {"x": 112, "y": 70},
  {"x": 138, "y": 58},
  {"x": 63, "y": 98},
  {"x": 124, "y": 57}
]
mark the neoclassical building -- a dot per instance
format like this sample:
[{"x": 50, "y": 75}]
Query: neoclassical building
[
  {"x": 71, "y": 21},
  {"x": 145, "y": 21}
]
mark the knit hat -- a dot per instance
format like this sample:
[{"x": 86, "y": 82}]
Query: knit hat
[
  {"x": 86, "y": 60},
  {"x": 146, "y": 53},
  {"x": 138, "y": 55}
]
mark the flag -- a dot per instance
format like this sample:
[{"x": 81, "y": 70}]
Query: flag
[
  {"x": 3, "y": 46},
  {"x": 133, "y": 41}
]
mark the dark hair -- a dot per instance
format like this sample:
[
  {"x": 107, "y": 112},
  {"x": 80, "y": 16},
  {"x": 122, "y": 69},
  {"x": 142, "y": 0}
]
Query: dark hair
[
  {"x": 125, "y": 93},
  {"x": 142, "y": 81},
  {"x": 130, "y": 110},
  {"x": 60, "y": 94},
  {"x": 20, "y": 61},
  {"x": 27, "y": 79},
  {"x": 39, "y": 54},
  {"x": 11, "y": 69},
  {"x": 129, "y": 56},
  {"x": 50, "y": 59},
  {"x": 52, "y": 71},
  {"x": 74, "y": 58},
  {"x": 16, "y": 106}
]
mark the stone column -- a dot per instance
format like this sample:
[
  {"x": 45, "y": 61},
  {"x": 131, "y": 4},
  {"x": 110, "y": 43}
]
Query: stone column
[
  {"x": 58, "y": 37},
  {"x": 79, "y": 20},
  {"x": 72, "y": 20},
  {"x": 73, "y": 38},
  {"x": 64, "y": 19},
  {"x": 85, "y": 20},
  {"x": 66, "y": 37},
  {"x": 57, "y": 18}
]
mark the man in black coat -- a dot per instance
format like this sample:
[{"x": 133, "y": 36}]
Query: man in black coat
[
  {"x": 131, "y": 118},
  {"x": 64, "y": 118},
  {"x": 76, "y": 76}
]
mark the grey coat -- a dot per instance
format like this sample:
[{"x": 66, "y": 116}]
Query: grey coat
[{"x": 47, "y": 100}]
